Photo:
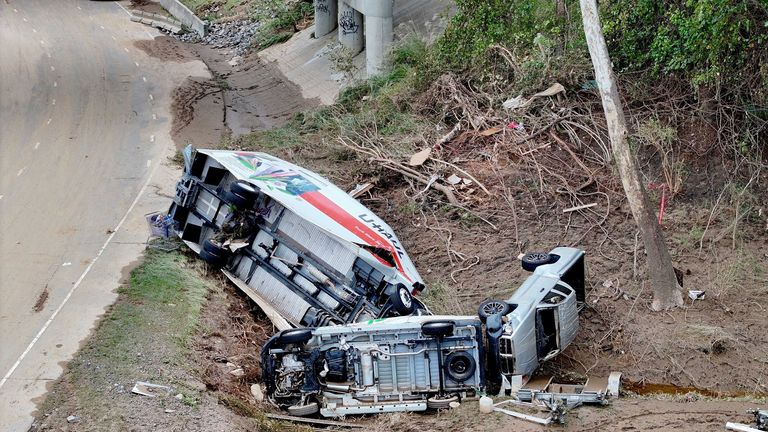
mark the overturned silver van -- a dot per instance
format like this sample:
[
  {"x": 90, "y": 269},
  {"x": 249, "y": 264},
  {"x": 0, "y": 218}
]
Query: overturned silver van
[
  {"x": 420, "y": 362},
  {"x": 409, "y": 363},
  {"x": 303, "y": 249}
]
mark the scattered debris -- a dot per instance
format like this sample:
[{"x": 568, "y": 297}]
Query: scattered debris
[
  {"x": 73, "y": 419},
  {"x": 761, "y": 422},
  {"x": 237, "y": 373},
  {"x": 420, "y": 157},
  {"x": 257, "y": 393},
  {"x": 453, "y": 180},
  {"x": 581, "y": 207},
  {"x": 521, "y": 102},
  {"x": 697, "y": 294},
  {"x": 492, "y": 131},
  {"x": 360, "y": 189},
  {"x": 149, "y": 389}
]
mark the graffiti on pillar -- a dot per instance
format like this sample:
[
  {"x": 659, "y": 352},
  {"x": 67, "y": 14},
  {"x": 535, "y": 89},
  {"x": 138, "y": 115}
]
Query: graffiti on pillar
[
  {"x": 321, "y": 6},
  {"x": 347, "y": 23}
]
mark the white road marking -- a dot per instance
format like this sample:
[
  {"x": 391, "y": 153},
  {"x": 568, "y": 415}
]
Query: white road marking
[
  {"x": 77, "y": 283},
  {"x": 48, "y": 54},
  {"x": 154, "y": 116},
  {"x": 151, "y": 138},
  {"x": 79, "y": 8},
  {"x": 15, "y": 10},
  {"x": 126, "y": 49},
  {"x": 42, "y": 42},
  {"x": 114, "y": 38},
  {"x": 151, "y": 97},
  {"x": 149, "y": 163},
  {"x": 24, "y": 19},
  {"x": 34, "y": 30},
  {"x": 37, "y": 145},
  {"x": 123, "y": 8},
  {"x": 102, "y": 27},
  {"x": 55, "y": 83},
  {"x": 48, "y": 122},
  {"x": 53, "y": 102},
  {"x": 1, "y": 196},
  {"x": 144, "y": 79},
  {"x": 21, "y": 171},
  {"x": 136, "y": 63},
  {"x": 53, "y": 68},
  {"x": 66, "y": 264}
]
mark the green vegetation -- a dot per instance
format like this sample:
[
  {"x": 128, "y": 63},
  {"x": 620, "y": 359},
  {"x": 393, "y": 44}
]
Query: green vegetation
[
  {"x": 280, "y": 20},
  {"x": 709, "y": 42}
]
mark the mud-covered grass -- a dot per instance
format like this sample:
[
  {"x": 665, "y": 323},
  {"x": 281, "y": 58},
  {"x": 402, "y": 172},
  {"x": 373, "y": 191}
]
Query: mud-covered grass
[{"x": 148, "y": 335}]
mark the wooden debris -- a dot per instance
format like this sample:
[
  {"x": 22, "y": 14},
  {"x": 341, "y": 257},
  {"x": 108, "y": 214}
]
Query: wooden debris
[
  {"x": 420, "y": 157},
  {"x": 492, "y": 131},
  {"x": 315, "y": 421},
  {"x": 360, "y": 189},
  {"x": 581, "y": 207}
]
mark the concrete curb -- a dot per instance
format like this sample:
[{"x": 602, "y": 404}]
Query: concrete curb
[
  {"x": 185, "y": 16},
  {"x": 161, "y": 23}
]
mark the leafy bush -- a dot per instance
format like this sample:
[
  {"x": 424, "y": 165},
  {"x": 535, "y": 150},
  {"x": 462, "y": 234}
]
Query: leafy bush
[
  {"x": 478, "y": 24},
  {"x": 280, "y": 21},
  {"x": 709, "y": 42}
]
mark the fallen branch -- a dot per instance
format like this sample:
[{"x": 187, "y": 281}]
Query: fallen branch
[{"x": 581, "y": 207}]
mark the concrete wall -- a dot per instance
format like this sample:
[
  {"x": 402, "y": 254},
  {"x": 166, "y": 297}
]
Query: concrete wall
[{"x": 186, "y": 16}]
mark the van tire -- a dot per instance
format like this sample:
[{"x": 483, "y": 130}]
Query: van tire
[
  {"x": 402, "y": 300},
  {"x": 438, "y": 328},
  {"x": 215, "y": 248},
  {"x": 303, "y": 410},
  {"x": 441, "y": 402},
  {"x": 492, "y": 307},
  {"x": 237, "y": 200},
  {"x": 534, "y": 259},
  {"x": 245, "y": 190},
  {"x": 459, "y": 366},
  {"x": 215, "y": 261}
]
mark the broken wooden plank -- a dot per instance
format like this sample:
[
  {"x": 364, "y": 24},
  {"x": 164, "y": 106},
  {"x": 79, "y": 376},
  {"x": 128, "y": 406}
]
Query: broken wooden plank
[{"x": 315, "y": 421}]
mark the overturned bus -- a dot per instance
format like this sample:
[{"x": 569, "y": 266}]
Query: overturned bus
[
  {"x": 304, "y": 250},
  {"x": 426, "y": 362}
]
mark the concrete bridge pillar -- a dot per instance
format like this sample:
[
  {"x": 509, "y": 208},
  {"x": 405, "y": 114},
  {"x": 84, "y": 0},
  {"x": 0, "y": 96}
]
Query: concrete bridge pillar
[
  {"x": 379, "y": 36},
  {"x": 350, "y": 28},
  {"x": 326, "y": 16}
]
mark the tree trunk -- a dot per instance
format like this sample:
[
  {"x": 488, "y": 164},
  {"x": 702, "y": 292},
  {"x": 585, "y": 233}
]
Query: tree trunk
[{"x": 667, "y": 293}]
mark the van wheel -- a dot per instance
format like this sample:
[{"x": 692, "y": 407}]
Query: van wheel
[
  {"x": 303, "y": 410},
  {"x": 438, "y": 328},
  {"x": 459, "y": 366},
  {"x": 402, "y": 300},
  {"x": 441, "y": 402},
  {"x": 245, "y": 190},
  {"x": 215, "y": 261},
  {"x": 237, "y": 200},
  {"x": 216, "y": 248},
  {"x": 534, "y": 259},
  {"x": 492, "y": 307}
]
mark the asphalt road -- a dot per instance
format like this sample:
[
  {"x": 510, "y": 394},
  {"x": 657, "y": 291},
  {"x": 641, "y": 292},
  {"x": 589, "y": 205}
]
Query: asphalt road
[{"x": 84, "y": 136}]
